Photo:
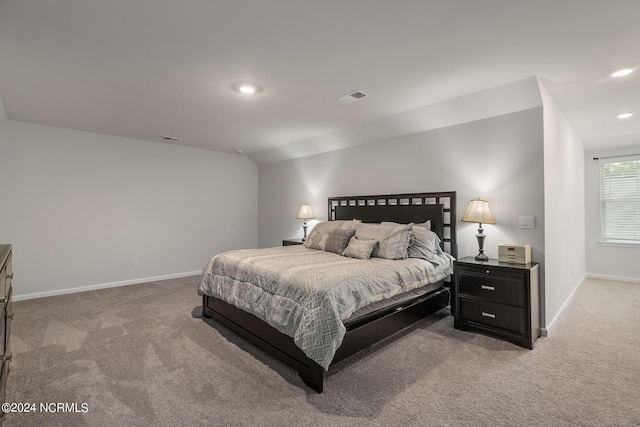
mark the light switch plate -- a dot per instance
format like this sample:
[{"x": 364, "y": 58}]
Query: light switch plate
[{"x": 528, "y": 222}]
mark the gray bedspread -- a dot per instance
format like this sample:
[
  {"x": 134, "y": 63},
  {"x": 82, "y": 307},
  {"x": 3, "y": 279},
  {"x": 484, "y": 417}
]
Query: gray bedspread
[{"x": 307, "y": 293}]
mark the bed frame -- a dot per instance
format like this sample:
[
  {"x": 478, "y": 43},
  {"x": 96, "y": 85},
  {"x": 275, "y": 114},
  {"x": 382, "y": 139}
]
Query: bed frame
[{"x": 439, "y": 207}]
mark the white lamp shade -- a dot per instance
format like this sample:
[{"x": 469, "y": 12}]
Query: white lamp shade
[
  {"x": 305, "y": 212},
  {"x": 478, "y": 211}
]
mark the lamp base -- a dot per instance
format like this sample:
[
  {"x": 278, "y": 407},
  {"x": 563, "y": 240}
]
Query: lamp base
[{"x": 482, "y": 257}]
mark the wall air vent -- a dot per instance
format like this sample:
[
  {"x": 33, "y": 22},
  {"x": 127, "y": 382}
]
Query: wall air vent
[
  {"x": 353, "y": 96},
  {"x": 172, "y": 138}
]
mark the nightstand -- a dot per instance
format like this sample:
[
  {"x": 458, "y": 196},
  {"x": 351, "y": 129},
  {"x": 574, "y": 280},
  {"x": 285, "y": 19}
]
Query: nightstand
[
  {"x": 292, "y": 242},
  {"x": 498, "y": 298}
]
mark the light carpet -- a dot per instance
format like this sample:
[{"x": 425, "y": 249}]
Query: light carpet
[{"x": 141, "y": 355}]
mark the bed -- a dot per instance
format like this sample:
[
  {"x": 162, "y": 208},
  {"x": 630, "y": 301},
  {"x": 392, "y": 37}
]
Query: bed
[{"x": 315, "y": 307}]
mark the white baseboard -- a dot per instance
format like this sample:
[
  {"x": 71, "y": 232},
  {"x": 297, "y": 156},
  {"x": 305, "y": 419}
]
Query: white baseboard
[
  {"x": 616, "y": 278},
  {"x": 545, "y": 331},
  {"x": 103, "y": 286}
]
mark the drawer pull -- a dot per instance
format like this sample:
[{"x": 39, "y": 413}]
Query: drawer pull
[
  {"x": 10, "y": 276},
  {"x": 488, "y": 288},
  {"x": 491, "y": 315},
  {"x": 488, "y": 271}
]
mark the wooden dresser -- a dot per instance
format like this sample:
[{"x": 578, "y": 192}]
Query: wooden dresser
[
  {"x": 498, "y": 298},
  {"x": 6, "y": 277}
]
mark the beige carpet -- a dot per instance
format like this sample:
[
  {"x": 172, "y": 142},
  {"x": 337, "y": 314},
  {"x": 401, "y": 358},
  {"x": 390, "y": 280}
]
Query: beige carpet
[{"x": 142, "y": 356}]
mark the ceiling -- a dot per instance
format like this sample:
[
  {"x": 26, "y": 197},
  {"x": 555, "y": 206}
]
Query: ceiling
[{"x": 151, "y": 68}]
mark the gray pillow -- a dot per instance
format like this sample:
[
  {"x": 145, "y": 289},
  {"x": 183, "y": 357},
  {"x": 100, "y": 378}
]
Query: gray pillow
[
  {"x": 393, "y": 240},
  {"x": 426, "y": 224},
  {"x": 425, "y": 242},
  {"x": 360, "y": 249},
  {"x": 338, "y": 241},
  {"x": 317, "y": 239}
]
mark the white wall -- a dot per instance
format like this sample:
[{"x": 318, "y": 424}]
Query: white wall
[
  {"x": 500, "y": 159},
  {"x": 564, "y": 210},
  {"x": 78, "y": 206},
  {"x": 618, "y": 262},
  {"x": 3, "y": 114}
]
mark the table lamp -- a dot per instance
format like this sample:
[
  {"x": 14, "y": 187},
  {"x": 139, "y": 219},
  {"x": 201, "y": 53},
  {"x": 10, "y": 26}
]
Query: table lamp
[
  {"x": 305, "y": 213},
  {"x": 478, "y": 211}
]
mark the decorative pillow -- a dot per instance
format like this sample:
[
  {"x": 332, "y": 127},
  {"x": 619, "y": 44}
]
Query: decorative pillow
[
  {"x": 393, "y": 239},
  {"x": 320, "y": 233},
  {"x": 319, "y": 241},
  {"x": 360, "y": 249},
  {"x": 425, "y": 242},
  {"x": 338, "y": 241}
]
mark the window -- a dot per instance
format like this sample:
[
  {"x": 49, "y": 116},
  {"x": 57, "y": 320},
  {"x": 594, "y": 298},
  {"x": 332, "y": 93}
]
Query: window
[{"x": 620, "y": 199}]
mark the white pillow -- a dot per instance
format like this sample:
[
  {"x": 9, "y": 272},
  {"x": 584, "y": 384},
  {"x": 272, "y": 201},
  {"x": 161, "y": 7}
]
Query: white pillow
[{"x": 426, "y": 224}]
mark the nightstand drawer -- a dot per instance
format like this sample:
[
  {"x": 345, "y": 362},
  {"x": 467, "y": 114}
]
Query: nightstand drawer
[
  {"x": 505, "y": 317},
  {"x": 504, "y": 288}
]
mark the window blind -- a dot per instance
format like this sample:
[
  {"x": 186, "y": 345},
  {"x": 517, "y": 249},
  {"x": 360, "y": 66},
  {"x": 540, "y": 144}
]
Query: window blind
[{"x": 620, "y": 199}]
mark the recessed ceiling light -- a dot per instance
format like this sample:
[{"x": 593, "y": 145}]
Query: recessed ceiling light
[
  {"x": 623, "y": 72},
  {"x": 625, "y": 115},
  {"x": 246, "y": 88}
]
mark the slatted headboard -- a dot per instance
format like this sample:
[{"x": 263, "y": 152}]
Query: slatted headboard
[{"x": 439, "y": 207}]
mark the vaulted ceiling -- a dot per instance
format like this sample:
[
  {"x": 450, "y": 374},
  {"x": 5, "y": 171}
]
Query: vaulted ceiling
[{"x": 151, "y": 68}]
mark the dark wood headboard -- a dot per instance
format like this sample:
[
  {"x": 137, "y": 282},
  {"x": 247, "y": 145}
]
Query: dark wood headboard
[{"x": 439, "y": 207}]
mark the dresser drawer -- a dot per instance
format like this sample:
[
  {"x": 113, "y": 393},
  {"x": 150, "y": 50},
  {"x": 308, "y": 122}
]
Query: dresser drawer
[
  {"x": 505, "y": 317},
  {"x": 6, "y": 316},
  {"x": 3, "y": 386},
  {"x": 487, "y": 284},
  {"x": 8, "y": 275},
  {"x": 3, "y": 332},
  {"x": 7, "y": 327},
  {"x": 3, "y": 284}
]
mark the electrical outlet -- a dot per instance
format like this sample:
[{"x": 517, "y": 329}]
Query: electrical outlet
[{"x": 134, "y": 262}]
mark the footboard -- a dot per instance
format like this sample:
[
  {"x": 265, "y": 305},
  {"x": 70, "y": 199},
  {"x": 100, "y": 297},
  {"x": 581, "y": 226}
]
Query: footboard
[
  {"x": 358, "y": 336},
  {"x": 266, "y": 337}
]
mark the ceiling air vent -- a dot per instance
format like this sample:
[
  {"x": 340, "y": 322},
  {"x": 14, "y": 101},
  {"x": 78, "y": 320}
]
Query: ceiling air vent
[
  {"x": 171, "y": 138},
  {"x": 353, "y": 96}
]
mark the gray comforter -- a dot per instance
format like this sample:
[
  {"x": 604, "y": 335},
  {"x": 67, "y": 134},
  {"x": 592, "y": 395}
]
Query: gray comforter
[{"x": 307, "y": 293}]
